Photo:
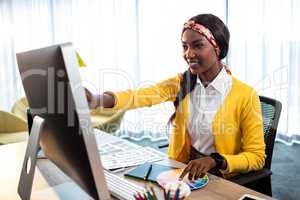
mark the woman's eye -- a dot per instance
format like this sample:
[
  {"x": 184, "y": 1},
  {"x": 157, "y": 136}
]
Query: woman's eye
[
  {"x": 184, "y": 47},
  {"x": 198, "y": 46}
]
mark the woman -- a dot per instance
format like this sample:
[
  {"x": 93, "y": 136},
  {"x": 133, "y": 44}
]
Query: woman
[{"x": 217, "y": 125}]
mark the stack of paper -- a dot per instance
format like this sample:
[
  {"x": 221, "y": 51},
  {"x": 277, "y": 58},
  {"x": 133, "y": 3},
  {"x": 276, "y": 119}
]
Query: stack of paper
[{"x": 118, "y": 153}]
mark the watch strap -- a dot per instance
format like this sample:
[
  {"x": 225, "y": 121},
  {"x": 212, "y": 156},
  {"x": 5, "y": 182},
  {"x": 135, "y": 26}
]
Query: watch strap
[{"x": 218, "y": 159}]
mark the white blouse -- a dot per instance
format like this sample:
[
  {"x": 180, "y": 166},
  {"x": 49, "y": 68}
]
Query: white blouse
[{"x": 204, "y": 104}]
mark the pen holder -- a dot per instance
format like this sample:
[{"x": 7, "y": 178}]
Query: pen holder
[
  {"x": 176, "y": 190},
  {"x": 172, "y": 191}
]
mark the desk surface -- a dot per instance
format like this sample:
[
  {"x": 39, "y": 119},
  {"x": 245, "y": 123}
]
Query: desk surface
[{"x": 48, "y": 175}]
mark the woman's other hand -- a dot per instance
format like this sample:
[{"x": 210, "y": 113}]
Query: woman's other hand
[{"x": 198, "y": 168}]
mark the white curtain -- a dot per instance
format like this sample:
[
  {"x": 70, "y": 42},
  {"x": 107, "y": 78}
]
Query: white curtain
[
  {"x": 8, "y": 73},
  {"x": 265, "y": 53},
  {"x": 103, "y": 32},
  {"x": 134, "y": 43}
]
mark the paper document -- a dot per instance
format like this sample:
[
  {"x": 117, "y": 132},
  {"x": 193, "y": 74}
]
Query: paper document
[
  {"x": 131, "y": 157},
  {"x": 118, "y": 153}
]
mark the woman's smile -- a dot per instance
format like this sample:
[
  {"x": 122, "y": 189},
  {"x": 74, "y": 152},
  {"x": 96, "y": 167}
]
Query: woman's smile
[{"x": 194, "y": 65}]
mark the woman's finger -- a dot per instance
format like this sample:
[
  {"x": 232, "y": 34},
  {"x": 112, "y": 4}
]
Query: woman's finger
[
  {"x": 200, "y": 170},
  {"x": 88, "y": 94},
  {"x": 185, "y": 171},
  {"x": 193, "y": 171},
  {"x": 197, "y": 174}
]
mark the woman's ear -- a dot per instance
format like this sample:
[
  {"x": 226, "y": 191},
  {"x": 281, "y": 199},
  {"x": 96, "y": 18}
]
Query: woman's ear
[{"x": 218, "y": 51}]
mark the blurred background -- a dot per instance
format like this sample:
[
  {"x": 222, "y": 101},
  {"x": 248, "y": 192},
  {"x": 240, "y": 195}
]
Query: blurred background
[{"x": 135, "y": 43}]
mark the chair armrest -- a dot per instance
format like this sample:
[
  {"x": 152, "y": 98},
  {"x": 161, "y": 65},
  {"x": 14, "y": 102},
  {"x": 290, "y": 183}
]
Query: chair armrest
[{"x": 243, "y": 179}]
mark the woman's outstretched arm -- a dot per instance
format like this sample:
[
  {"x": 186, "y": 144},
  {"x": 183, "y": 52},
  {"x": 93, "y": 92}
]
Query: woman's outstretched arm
[{"x": 129, "y": 99}]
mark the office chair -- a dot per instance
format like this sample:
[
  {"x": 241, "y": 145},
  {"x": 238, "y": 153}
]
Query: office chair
[
  {"x": 261, "y": 180},
  {"x": 12, "y": 128},
  {"x": 20, "y": 108}
]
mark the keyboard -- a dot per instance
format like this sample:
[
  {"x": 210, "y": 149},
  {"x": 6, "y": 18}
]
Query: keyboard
[{"x": 121, "y": 188}]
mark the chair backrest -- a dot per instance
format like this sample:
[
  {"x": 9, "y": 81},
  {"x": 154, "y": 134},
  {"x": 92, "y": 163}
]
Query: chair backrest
[
  {"x": 10, "y": 123},
  {"x": 271, "y": 110},
  {"x": 20, "y": 108}
]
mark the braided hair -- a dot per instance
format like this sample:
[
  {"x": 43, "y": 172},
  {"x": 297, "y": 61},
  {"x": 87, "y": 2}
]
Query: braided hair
[{"x": 221, "y": 34}]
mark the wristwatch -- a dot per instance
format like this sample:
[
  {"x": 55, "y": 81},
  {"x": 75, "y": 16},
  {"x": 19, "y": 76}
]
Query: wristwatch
[{"x": 218, "y": 159}]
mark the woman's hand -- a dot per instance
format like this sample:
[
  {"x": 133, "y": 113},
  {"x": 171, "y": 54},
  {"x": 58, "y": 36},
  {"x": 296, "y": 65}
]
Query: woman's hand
[
  {"x": 105, "y": 100},
  {"x": 198, "y": 168},
  {"x": 93, "y": 100}
]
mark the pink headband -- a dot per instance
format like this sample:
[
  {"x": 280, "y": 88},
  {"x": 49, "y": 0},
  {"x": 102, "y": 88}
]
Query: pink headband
[{"x": 202, "y": 30}]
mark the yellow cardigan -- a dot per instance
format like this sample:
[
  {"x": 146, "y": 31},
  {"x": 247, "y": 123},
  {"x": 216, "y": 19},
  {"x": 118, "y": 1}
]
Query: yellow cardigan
[{"x": 237, "y": 127}]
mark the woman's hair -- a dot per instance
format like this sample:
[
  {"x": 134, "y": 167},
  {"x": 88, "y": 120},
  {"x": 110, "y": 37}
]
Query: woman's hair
[{"x": 221, "y": 35}]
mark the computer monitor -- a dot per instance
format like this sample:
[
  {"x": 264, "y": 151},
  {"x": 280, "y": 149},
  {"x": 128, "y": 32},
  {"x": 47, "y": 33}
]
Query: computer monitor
[{"x": 52, "y": 85}]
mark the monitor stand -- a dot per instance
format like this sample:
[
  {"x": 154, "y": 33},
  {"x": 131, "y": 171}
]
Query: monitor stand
[{"x": 29, "y": 163}]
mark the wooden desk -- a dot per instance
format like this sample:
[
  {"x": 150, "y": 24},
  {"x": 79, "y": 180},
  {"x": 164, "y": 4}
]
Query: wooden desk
[{"x": 48, "y": 175}]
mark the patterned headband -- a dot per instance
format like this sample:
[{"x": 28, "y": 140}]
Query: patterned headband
[{"x": 202, "y": 30}]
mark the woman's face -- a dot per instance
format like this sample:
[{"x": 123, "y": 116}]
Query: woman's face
[{"x": 199, "y": 53}]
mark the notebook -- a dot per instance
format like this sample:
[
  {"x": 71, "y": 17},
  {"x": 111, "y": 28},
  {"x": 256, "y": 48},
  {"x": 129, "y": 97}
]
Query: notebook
[{"x": 140, "y": 171}]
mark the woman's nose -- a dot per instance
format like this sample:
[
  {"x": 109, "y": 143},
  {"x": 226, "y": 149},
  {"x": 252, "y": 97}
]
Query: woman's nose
[{"x": 189, "y": 53}]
